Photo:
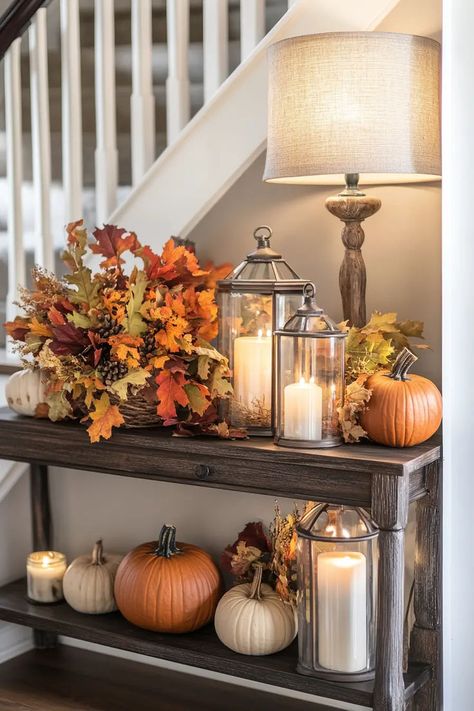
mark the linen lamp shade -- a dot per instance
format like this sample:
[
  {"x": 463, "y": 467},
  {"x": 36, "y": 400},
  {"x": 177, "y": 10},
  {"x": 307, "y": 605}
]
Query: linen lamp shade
[{"x": 354, "y": 102}]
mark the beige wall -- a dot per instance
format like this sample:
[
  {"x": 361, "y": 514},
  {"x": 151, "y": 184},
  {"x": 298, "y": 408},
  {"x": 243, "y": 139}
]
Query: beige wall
[{"x": 402, "y": 247}]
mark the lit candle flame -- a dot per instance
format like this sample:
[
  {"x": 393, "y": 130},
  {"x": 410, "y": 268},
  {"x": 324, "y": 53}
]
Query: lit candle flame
[
  {"x": 269, "y": 332},
  {"x": 259, "y": 333}
]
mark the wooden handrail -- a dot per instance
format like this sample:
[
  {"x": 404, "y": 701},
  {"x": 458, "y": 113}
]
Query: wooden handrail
[{"x": 16, "y": 19}]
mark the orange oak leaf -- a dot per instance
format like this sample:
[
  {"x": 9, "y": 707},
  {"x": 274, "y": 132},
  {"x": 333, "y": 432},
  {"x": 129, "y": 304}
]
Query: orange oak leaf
[
  {"x": 112, "y": 241},
  {"x": 169, "y": 336},
  {"x": 40, "y": 329},
  {"x": 170, "y": 391},
  {"x": 125, "y": 347},
  {"x": 104, "y": 417}
]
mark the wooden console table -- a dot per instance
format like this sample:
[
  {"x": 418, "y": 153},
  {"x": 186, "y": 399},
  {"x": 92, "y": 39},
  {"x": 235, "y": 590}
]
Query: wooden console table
[{"x": 383, "y": 480}]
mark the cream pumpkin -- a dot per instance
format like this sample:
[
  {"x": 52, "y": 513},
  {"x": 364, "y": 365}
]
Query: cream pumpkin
[
  {"x": 88, "y": 583},
  {"x": 252, "y": 619},
  {"x": 25, "y": 390}
]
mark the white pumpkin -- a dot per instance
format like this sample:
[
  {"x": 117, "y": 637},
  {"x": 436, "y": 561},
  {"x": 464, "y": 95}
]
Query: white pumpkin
[
  {"x": 88, "y": 583},
  {"x": 25, "y": 390},
  {"x": 252, "y": 619}
]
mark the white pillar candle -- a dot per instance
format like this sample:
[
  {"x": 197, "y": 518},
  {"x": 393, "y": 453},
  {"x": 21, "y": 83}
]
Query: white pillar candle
[
  {"x": 342, "y": 611},
  {"x": 45, "y": 571},
  {"x": 302, "y": 411},
  {"x": 253, "y": 371}
]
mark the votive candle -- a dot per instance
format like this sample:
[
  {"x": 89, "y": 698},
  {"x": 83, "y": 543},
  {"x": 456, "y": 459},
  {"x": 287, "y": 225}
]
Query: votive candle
[{"x": 45, "y": 571}]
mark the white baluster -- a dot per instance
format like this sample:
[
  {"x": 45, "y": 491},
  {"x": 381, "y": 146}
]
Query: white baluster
[
  {"x": 106, "y": 155},
  {"x": 71, "y": 110},
  {"x": 177, "y": 83},
  {"x": 41, "y": 144},
  {"x": 215, "y": 38},
  {"x": 142, "y": 101},
  {"x": 252, "y": 25},
  {"x": 16, "y": 254}
]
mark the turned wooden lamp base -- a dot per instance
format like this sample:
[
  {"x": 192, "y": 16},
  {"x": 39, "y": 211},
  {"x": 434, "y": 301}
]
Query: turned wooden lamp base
[{"x": 353, "y": 207}]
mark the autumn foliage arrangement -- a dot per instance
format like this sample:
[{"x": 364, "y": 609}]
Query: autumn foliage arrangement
[
  {"x": 273, "y": 549},
  {"x": 139, "y": 327}
]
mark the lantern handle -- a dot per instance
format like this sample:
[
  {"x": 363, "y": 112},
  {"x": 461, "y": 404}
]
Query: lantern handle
[
  {"x": 309, "y": 290},
  {"x": 263, "y": 240}
]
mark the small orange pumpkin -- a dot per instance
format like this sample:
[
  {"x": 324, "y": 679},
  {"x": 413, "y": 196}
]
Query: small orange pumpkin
[
  {"x": 402, "y": 411},
  {"x": 166, "y": 586}
]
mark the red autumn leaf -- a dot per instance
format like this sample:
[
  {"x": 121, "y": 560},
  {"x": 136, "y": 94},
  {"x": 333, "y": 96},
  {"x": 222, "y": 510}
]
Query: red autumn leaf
[
  {"x": 112, "y": 241},
  {"x": 56, "y": 317},
  {"x": 170, "y": 391},
  {"x": 68, "y": 340},
  {"x": 151, "y": 261}
]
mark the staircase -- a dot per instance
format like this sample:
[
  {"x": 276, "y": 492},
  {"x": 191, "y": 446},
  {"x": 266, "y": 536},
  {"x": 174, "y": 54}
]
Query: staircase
[{"x": 139, "y": 111}]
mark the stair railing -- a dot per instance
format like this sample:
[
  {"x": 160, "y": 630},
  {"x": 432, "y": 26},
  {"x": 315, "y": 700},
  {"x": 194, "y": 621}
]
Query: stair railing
[{"x": 30, "y": 17}]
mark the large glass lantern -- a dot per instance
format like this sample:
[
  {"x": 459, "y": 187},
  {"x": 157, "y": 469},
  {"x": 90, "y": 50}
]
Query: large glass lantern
[
  {"x": 309, "y": 377},
  {"x": 255, "y": 299},
  {"x": 337, "y": 592}
]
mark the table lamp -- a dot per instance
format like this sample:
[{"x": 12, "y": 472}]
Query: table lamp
[{"x": 346, "y": 107}]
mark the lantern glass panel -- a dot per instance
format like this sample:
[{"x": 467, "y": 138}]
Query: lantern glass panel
[
  {"x": 310, "y": 387},
  {"x": 246, "y": 337},
  {"x": 337, "y": 585},
  {"x": 257, "y": 297}
]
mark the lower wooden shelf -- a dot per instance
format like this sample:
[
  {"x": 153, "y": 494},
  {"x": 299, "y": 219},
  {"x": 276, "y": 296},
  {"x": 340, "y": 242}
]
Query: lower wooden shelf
[
  {"x": 199, "y": 649},
  {"x": 68, "y": 679}
]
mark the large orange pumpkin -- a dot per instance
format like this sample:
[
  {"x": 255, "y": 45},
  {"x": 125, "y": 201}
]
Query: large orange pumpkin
[
  {"x": 166, "y": 586},
  {"x": 402, "y": 411}
]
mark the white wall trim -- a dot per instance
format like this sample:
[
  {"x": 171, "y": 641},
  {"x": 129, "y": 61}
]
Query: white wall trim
[
  {"x": 10, "y": 472},
  {"x": 14, "y": 640},
  {"x": 458, "y": 344}
]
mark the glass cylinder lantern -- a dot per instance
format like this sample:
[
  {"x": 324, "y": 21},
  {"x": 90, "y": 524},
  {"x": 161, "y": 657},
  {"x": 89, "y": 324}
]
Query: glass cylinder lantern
[
  {"x": 309, "y": 377},
  {"x": 337, "y": 587},
  {"x": 255, "y": 299}
]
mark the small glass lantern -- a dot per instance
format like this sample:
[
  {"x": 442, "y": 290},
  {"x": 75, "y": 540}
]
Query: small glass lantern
[
  {"x": 255, "y": 299},
  {"x": 309, "y": 377},
  {"x": 337, "y": 585}
]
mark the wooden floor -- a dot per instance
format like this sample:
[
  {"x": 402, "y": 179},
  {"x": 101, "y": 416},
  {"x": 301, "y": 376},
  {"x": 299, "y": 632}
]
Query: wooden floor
[{"x": 68, "y": 679}]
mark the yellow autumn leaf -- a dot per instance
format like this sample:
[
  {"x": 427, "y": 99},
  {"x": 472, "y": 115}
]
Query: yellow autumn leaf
[
  {"x": 133, "y": 378},
  {"x": 104, "y": 418}
]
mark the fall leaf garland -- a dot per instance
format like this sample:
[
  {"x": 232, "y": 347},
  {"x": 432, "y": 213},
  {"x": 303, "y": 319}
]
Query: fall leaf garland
[{"x": 104, "y": 336}]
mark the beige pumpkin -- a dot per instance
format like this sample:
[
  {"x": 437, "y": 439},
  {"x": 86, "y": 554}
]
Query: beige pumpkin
[
  {"x": 252, "y": 619},
  {"x": 25, "y": 390},
  {"x": 88, "y": 583}
]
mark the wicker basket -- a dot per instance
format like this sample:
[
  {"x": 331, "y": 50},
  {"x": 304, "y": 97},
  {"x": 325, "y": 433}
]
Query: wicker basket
[{"x": 137, "y": 411}]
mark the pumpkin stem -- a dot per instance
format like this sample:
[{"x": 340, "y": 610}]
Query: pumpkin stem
[
  {"x": 403, "y": 363},
  {"x": 167, "y": 542},
  {"x": 98, "y": 553},
  {"x": 256, "y": 589}
]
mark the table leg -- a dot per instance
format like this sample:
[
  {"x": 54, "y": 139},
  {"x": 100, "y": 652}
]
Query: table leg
[
  {"x": 390, "y": 512},
  {"x": 425, "y": 641},
  {"x": 42, "y": 532}
]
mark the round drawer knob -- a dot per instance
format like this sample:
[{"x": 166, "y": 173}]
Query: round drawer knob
[{"x": 202, "y": 471}]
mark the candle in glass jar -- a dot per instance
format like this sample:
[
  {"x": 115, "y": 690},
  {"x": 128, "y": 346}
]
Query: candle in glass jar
[
  {"x": 342, "y": 611},
  {"x": 253, "y": 371},
  {"x": 302, "y": 411},
  {"x": 45, "y": 571}
]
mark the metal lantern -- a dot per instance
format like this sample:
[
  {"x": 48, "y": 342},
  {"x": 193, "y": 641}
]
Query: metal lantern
[
  {"x": 337, "y": 583},
  {"x": 255, "y": 299},
  {"x": 309, "y": 377}
]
